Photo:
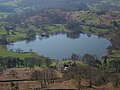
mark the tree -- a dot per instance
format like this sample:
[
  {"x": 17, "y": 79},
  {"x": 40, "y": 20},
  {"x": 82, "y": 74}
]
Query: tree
[
  {"x": 83, "y": 72},
  {"x": 105, "y": 62},
  {"x": 78, "y": 77},
  {"x": 45, "y": 77},
  {"x": 47, "y": 62},
  {"x": 31, "y": 63},
  {"x": 116, "y": 79},
  {"x": 30, "y": 34},
  {"x": 89, "y": 59},
  {"x": 73, "y": 26},
  {"x": 2, "y": 62},
  {"x": 14, "y": 86},
  {"x": 13, "y": 73},
  {"x": 115, "y": 24},
  {"x": 3, "y": 39},
  {"x": 115, "y": 64},
  {"x": 74, "y": 56}
]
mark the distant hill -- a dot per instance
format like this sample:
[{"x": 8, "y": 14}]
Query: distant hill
[
  {"x": 22, "y": 5},
  {"x": 17, "y": 6},
  {"x": 2, "y": 1}
]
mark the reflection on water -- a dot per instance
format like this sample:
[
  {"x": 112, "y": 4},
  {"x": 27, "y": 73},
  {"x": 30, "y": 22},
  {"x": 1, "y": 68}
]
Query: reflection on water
[
  {"x": 63, "y": 45},
  {"x": 73, "y": 35}
]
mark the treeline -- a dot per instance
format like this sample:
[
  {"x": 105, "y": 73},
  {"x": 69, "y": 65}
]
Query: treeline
[
  {"x": 11, "y": 62},
  {"x": 3, "y": 40},
  {"x": 113, "y": 66}
]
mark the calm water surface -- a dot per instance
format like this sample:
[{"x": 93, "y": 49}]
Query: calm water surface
[{"x": 62, "y": 46}]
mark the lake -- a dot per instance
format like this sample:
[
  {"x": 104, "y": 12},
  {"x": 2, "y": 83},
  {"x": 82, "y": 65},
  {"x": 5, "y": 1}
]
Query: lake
[{"x": 63, "y": 45}]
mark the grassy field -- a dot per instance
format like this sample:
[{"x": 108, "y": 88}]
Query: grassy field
[
  {"x": 115, "y": 55},
  {"x": 56, "y": 28},
  {"x": 17, "y": 36},
  {"x": 5, "y": 53}
]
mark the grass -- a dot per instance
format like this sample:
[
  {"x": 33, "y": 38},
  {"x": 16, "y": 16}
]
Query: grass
[
  {"x": 93, "y": 21},
  {"x": 17, "y": 36},
  {"x": 56, "y": 28},
  {"x": 6, "y": 53},
  {"x": 115, "y": 54},
  {"x": 92, "y": 30},
  {"x": 2, "y": 32}
]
